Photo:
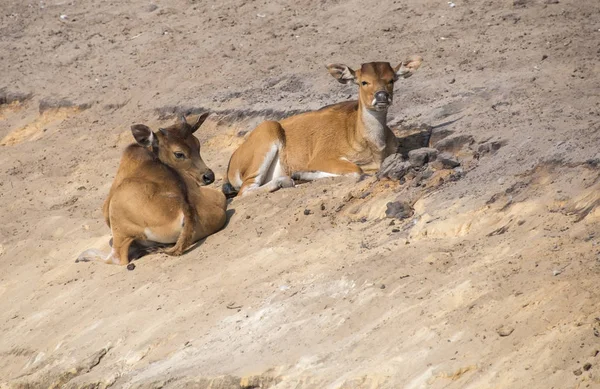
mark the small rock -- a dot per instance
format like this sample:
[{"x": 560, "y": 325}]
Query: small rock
[
  {"x": 556, "y": 272},
  {"x": 151, "y": 8},
  {"x": 454, "y": 143},
  {"x": 587, "y": 366},
  {"x": 544, "y": 57},
  {"x": 393, "y": 167},
  {"x": 577, "y": 372},
  {"x": 551, "y": 1},
  {"x": 131, "y": 266},
  {"x": 452, "y": 81},
  {"x": 420, "y": 157},
  {"x": 505, "y": 330},
  {"x": 448, "y": 160},
  {"x": 307, "y": 211},
  {"x": 399, "y": 210},
  {"x": 491, "y": 147},
  {"x": 383, "y": 287}
]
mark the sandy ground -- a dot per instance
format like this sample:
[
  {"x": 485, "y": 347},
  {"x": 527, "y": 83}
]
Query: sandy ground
[{"x": 491, "y": 283}]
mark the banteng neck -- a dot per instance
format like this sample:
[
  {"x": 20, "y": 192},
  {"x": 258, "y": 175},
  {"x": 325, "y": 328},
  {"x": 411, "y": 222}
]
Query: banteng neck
[{"x": 372, "y": 124}]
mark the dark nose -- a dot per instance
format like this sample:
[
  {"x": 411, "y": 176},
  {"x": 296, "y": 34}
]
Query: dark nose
[
  {"x": 208, "y": 177},
  {"x": 382, "y": 97}
]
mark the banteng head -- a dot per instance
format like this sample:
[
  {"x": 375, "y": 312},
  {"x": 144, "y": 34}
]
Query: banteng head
[
  {"x": 375, "y": 80},
  {"x": 177, "y": 147}
]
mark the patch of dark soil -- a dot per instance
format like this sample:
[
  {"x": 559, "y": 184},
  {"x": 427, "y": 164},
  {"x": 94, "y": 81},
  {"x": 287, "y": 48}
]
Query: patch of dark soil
[
  {"x": 225, "y": 115},
  {"x": 7, "y": 97},
  {"x": 51, "y": 103}
]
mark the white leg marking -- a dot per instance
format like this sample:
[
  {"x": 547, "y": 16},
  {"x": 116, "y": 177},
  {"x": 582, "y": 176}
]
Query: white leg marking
[
  {"x": 237, "y": 181},
  {"x": 265, "y": 167},
  {"x": 311, "y": 176}
]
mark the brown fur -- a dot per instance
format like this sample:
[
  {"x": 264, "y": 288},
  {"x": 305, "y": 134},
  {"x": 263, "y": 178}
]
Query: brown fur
[
  {"x": 157, "y": 186},
  {"x": 339, "y": 139}
]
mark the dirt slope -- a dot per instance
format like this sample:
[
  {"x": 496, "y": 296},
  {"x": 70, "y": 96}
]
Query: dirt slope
[{"x": 491, "y": 283}]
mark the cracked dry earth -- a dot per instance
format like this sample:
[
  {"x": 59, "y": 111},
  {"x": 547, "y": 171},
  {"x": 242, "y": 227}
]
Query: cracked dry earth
[{"x": 484, "y": 275}]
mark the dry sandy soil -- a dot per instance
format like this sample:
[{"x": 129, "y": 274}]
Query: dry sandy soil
[{"x": 493, "y": 282}]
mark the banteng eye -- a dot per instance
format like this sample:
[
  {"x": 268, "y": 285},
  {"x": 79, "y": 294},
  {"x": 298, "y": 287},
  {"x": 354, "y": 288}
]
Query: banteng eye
[
  {"x": 364, "y": 83},
  {"x": 179, "y": 155}
]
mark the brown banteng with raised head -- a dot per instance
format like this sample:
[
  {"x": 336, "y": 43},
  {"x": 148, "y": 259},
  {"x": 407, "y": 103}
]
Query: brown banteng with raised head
[
  {"x": 336, "y": 140},
  {"x": 158, "y": 198}
]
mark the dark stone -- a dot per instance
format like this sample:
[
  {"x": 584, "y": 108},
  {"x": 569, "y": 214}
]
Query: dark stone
[
  {"x": 454, "y": 143},
  {"x": 448, "y": 161},
  {"x": 491, "y": 147},
  {"x": 420, "y": 157},
  {"x": 131, "y": 266},
  {"x": 393, "y": 167},
  {"x": 399, "y": 210}
]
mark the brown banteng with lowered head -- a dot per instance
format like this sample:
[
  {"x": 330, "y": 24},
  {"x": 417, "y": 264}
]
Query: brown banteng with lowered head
[
  {"x": 336, "y": 140},
  {"x": 157, "y": 197}
]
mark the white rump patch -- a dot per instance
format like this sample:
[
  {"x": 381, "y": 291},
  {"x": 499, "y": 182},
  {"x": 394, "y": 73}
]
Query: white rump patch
[{"x": 169, "y": 234}]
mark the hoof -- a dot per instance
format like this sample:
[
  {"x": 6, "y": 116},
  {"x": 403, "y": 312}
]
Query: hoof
[
  {"x": 90, "y": 255},
  {"x": 285, "y": 182}
]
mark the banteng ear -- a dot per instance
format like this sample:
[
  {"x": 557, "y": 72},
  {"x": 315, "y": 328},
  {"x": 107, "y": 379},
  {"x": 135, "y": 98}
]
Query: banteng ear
[
  {"x": 408, "y": 67},
  {"x": 342, "y": 73},
  {"x": 143, "y": 135},
  {"x": 182, "y": 119},
  {"x": 199, "y": 121}
]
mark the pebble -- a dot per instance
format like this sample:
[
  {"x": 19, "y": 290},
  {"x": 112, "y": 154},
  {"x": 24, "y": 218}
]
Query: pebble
[
  {"x": 131, "y": 266},
  {"x": 399, "y": 210},
  {"x": 448, "y": 160},
  {"x": 420, "y": 157},
  {"x": 307, "y": 211},
  {"x": 505, "y": 330}
]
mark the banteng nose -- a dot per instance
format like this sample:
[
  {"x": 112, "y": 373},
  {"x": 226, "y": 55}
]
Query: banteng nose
[
  {"x": 208, "y": 177},
  {"x": 382, "y": 97}
]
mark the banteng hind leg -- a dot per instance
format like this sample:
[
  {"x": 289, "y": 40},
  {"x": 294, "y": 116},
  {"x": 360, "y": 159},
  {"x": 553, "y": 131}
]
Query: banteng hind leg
[
  {"x": 271, "y": 186},
  {"x": 328, "y": 168},
  {"x": 119, "y": 255}
]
